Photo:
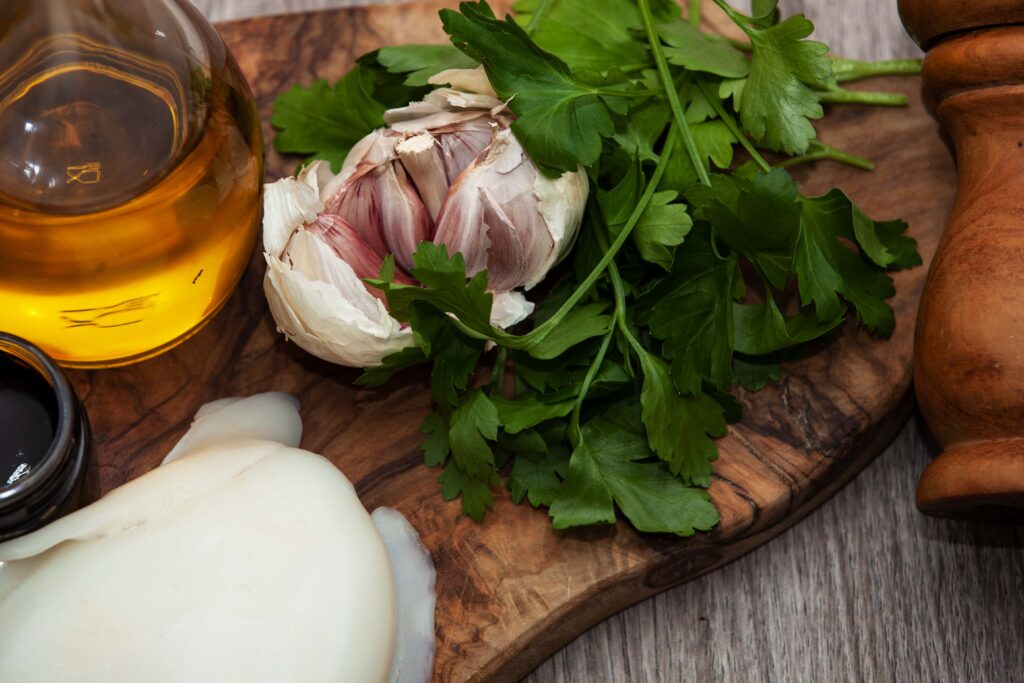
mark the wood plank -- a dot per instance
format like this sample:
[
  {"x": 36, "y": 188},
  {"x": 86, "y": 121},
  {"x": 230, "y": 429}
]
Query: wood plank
[{"x": 511, "y": 590}]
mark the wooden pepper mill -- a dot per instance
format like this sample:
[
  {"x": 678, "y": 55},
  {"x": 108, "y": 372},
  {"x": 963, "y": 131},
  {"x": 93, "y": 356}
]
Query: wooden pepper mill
[{"x": 969, "y": 341}]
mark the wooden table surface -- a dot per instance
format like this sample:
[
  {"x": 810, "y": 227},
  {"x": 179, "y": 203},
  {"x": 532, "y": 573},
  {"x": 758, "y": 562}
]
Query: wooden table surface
[{"x": 865, "y": 588}]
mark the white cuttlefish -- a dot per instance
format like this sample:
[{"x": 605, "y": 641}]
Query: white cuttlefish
[{"x": 240, "y": 558}]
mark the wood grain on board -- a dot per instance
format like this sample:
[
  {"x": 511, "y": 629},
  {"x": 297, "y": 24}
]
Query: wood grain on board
[{"x": 511, "y": 591}]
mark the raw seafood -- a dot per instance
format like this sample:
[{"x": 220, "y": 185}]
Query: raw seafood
[{"x": 239, "y": 559}]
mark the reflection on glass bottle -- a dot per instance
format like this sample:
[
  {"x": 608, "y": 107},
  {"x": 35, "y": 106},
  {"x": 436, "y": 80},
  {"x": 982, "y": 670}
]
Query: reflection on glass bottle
[{"x": 130, "y": 175}]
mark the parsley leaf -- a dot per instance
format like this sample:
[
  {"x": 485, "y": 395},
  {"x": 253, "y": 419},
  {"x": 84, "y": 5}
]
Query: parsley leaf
[
  {"x": 592, "y": 35},
  {"x": 580, "y": 324},
  {"x": 454, "y": 355},
  {"x": 612, "y": 466},
  {"x": 584, "y": 34},
  {"x": 323, "y": 121},
  {"x": 827, "y": 268},
  {"x": 638, "y": 133},
  {"x": 527, "y": 411},
  {"x": 391, "y": 364},
  {"x": 778, "y": 97},
  {"x": 757, "y": 217},
  {"x": 754, "y": 374},
  {"x": 420, "y": 62},
  {"x": 538, "y": 476},
  {"x": 761, "y": 328},
  {"x": 784, "y": 234},
  {"x": 714, "y": 143},
  {"x": 662, "y": 226},
  {"x": 679, "y": 428},
  {"x": 444, "y": 286},
  {"x": 690, "y": 309},
  {"x": 693, "y": 50},
  {"x": 561, "y": 121},
  {"x": 435, "y": 447},
  {"x": 475, "y": 493},
  {"x": 473, "y": 424}
]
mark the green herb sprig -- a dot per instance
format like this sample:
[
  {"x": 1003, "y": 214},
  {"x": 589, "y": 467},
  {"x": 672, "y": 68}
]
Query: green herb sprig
[{"x": 693, "y": 272}]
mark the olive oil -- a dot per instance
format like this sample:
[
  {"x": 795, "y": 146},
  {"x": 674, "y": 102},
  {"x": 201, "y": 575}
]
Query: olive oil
[{"x": 130, "y": 181}]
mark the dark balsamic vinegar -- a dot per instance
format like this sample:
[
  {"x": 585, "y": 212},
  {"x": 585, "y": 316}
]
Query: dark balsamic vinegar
[{"x": 28, "y": 417}]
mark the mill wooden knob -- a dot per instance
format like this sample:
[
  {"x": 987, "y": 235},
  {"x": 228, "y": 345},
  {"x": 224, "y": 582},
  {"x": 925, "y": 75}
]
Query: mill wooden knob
[{"x": 969, "y": 340}]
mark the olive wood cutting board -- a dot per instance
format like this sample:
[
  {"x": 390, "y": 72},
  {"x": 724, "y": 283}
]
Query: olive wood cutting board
[{"x": 511, "y": 591}]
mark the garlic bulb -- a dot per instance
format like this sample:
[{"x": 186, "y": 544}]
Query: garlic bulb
[{"x": 448, "y": 170}]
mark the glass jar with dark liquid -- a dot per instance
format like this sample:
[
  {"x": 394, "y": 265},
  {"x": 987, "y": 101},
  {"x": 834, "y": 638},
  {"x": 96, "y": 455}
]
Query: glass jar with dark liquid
[
  {"x": 44, "y": 439},
  {"x": 130, "y": 176}
]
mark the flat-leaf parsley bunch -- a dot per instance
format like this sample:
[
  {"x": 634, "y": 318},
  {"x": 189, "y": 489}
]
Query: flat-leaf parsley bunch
[{"x": 698, "y": 265}]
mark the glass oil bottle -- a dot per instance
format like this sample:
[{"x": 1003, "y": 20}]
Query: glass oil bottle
[{"x": 131, "y": 163}]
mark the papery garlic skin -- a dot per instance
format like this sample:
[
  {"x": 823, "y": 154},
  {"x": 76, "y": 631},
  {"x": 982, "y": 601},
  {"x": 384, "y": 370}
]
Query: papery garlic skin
[
  {"x": 316, "y": 298},
  {"x": 505, "y": 216},
  {"x": 509, "y": 308},
  {"x": 465, "y": 80}
]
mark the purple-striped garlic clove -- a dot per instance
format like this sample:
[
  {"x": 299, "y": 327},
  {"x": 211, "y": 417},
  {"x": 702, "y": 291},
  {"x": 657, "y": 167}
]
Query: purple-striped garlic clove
[
  {"x": 375, "y": 196},
  {"x": 505, "y": 216},
  {"x": 313, "y": 284}
]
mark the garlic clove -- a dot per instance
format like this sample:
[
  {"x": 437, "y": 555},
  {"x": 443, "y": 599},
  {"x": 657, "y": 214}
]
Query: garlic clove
[
  {"x": 506, "y": 257},
  {"x": 460, "y": 225},
  {"x": 561, "y": 202},
  {"x": 372, "y": 151},
  {"x": 347, "y": 244},
  {"x": 421, "y": 158},
  {"x": 404, "y": 220},
  {"x": 466, "y": 80},
  {"x": 461, "y": 145},
  {"x": 320, "y": 303},
  {"x": 375, "y": 196},
  {"x": 491, "y": 216},
  {"x": 504, "y": 215},
  {"x": 287, "y": 205}
]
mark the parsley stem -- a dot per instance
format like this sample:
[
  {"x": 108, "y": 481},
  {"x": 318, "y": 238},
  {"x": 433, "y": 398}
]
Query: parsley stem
[
  {"x": 856, "y": 69},
  {"x": 878, "y": 99},
  {"x": 595, "y": 366},
  {"x": 620, "y": 294},
  {"x": 620, "y": 310},
  {"x": 536, "y": 335},
  {"x": 739, "y": 19},
  {"x": 694, "y": 14},
  {"x": 499, "y": 372},
  {"x": 670, "y": 92},
  {"x": 819, "y": 150},
  {"x": 625, "y": 93},
  {"x": 537, "y": 15},
  {"x": 733, "y": 127}
]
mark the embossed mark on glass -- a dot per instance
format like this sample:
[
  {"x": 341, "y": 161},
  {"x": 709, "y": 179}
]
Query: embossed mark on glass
[{"x": 130, "y": 175}]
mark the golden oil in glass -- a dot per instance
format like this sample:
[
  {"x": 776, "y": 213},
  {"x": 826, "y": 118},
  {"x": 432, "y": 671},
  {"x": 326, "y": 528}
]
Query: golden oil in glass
[{"x": 130, "y": 176}]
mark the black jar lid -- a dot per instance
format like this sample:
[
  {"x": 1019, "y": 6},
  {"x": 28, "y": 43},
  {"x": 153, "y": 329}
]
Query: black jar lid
[{"x": 52, "y": 487}]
